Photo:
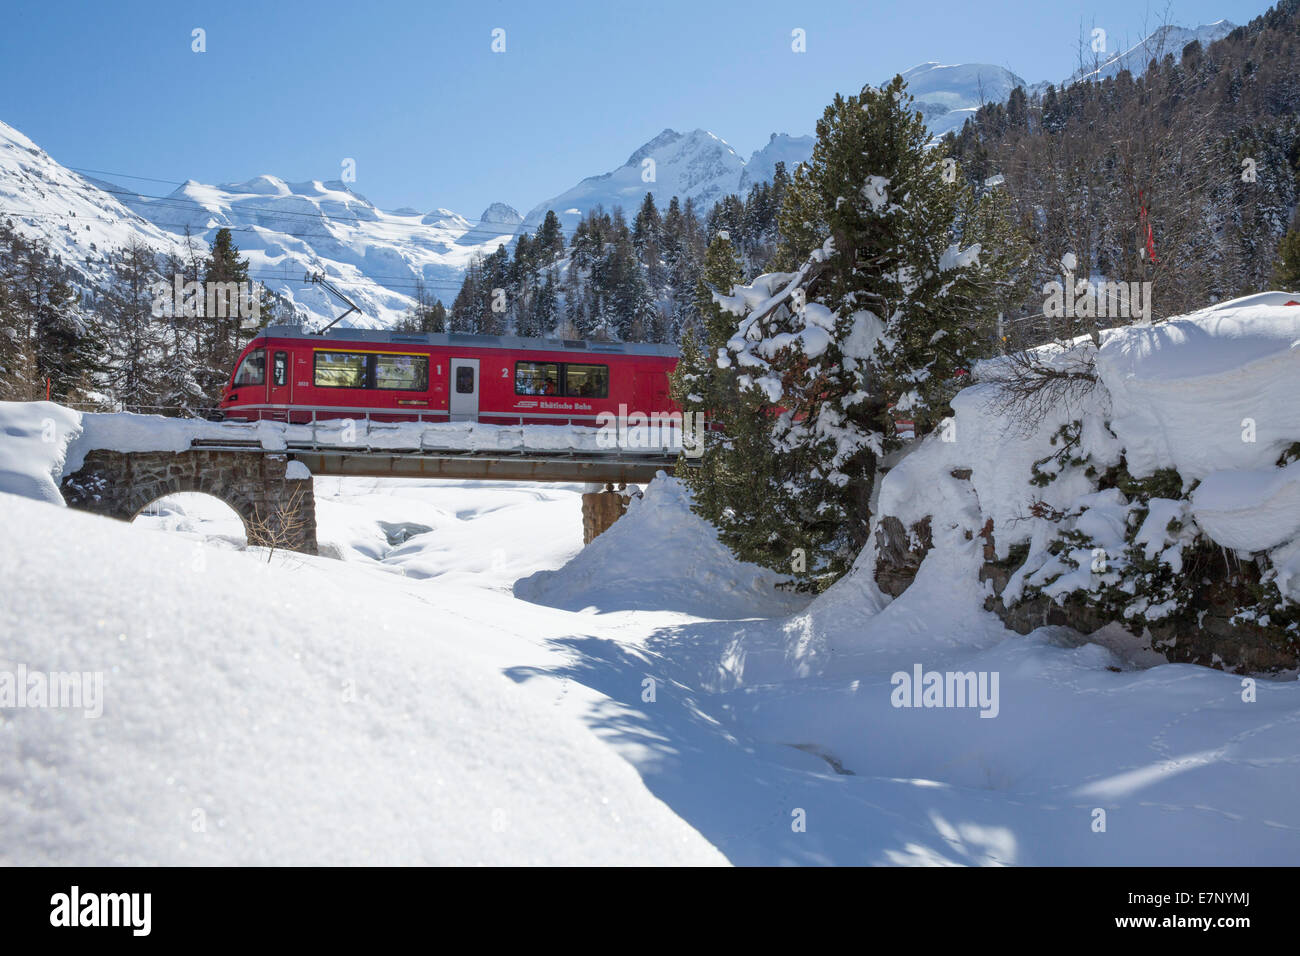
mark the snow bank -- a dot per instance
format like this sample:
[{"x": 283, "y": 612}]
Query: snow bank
[
  {"x": 1214, "y": 390},
  {"x": 34, "y": 440},
  {"x": 1249, "y": 510},
  {"x": 297, "y": 713},
  {"x": 1212, "y": 395},
  {"x": 999, "y": 456},
  {"x": 660, "y": 556}
]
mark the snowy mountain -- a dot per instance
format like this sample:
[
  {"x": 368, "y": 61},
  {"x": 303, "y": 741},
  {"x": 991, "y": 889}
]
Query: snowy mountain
[
  {"x": 696, "y": 165},
  {"x": 780, "y": 148},
  {"x": 78, "y": 220},
  {"x": 285, "y": 229},
  {"x": 1167, "y": 39},
  {"x": 702, "y": 166},
  {"x": 947, "y": 95},
  {"x": 375, "y": 257}
]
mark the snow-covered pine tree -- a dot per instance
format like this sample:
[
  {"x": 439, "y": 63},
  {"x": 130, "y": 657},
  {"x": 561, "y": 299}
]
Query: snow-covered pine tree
[
  {"x": 732, "y": 482},
  {"x": 885, "y": 314}
]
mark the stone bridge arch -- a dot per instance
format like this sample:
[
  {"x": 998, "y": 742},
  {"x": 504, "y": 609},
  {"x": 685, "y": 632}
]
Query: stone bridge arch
[{"x": 276, "y": 510}]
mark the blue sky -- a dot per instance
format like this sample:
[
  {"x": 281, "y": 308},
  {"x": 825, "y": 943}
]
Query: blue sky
[{"x": 414, "y": 94}]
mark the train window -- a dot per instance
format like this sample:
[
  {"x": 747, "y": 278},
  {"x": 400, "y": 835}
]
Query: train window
[
  {"x": 407, "y": 372},
  {"x": 537, "y": 378},
  {"x": 465, "y": 380},
  {"x": 280, "y": 368},
  {"x": 586, "y": 381},
  {"x": 252, "y": 371},
  {"x": 340, "y": 370}
]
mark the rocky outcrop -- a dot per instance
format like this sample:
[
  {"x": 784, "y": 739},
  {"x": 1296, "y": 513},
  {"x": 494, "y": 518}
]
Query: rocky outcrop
[
  {"x": 1206, "y": 634},
  {"x": 899, "y": 553}
]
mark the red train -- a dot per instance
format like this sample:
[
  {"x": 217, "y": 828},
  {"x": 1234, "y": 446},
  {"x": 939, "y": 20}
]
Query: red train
[{"x": 289, "y": 375}]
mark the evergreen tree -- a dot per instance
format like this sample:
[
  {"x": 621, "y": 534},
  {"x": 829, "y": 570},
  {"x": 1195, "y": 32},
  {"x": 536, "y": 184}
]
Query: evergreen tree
[
  {"x": 879, "y": 320},
  {"x": 1286, "y": 268},
  {"x": 225, "y": 334},
  {"x": 550, "y": 239},
  {"x": 801, "y": 221},
  {"x": 731, "y": 484},
  {"x": 136, "y": 338}
]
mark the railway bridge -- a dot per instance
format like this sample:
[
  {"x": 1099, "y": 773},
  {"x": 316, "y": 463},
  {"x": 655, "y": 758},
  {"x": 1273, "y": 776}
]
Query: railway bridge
[{"x": 122, "y": 462}]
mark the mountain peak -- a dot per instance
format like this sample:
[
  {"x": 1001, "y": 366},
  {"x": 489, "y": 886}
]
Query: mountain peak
[
  {"x": 500, "y": 213},
  {"x": 666, "y": 138},
  {"x": 264, "y": 185}
]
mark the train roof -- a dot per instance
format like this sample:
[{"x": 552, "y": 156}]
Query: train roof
[{"x": 462, "y": 339}]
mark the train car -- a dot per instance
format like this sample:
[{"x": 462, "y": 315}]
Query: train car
[{"x": 287, "y": 374}]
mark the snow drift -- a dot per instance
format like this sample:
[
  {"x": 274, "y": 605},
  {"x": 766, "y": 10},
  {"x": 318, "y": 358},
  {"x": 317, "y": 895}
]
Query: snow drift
[
  {"x": 660, "y": 556},
  {"x": 286, "y": 714}
]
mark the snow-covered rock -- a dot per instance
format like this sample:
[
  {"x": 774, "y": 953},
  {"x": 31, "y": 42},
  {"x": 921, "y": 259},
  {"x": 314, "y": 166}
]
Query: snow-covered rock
[{"x": 1208, "y": 391}]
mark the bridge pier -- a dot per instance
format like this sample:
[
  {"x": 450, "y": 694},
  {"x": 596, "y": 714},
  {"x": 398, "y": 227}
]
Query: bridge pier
[
  {"x": 277, "y": 510},
  {"x": 600, "y": 509}
]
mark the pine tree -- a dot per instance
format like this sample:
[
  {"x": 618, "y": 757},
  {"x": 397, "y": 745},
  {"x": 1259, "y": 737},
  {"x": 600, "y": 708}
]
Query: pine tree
[
  {"x": 886, "y": 311},
  {"x": 1286, "y": 268},
  {"x": 647, "y": 232},
  {"x": 737, "y": 482},
  {"x": 467, "y": 306},
  {"x": 550, "y": 239},
  {"x": 136, "y": 338},
  {"x": 801, "y": 221},
  {"x": 225, "y": 335},
  {"x": 546, "y": 311}
]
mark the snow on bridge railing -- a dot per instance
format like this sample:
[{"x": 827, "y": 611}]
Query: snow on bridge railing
[{"x": 132, "y": 432}]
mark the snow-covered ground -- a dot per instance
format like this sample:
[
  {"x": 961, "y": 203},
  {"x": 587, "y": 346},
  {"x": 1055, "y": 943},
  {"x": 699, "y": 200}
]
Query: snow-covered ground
[{"x": 455, "y": 679}]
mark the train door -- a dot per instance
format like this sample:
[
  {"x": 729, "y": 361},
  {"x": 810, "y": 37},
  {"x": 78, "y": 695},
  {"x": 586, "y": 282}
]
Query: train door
[
  {"x": 643, "y": 390},
  {"x": 280, "y": 381},
  {"x": 464, "y": 390}
]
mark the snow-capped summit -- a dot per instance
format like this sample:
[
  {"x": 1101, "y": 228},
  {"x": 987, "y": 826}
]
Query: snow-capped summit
[
  {"x": 286, "y": 229},
  {"x": 77, "y": 218},
  {"x": 499, "y": 221},
  {"x": 1168, "y": 39},
  {"x": 500, "y": 213},
  {"x": 696, "y": 165},
  {"x": 948, "y": 94}
]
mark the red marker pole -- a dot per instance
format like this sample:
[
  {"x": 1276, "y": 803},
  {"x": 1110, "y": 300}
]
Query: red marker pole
[{"x": 47, "y": 388}]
